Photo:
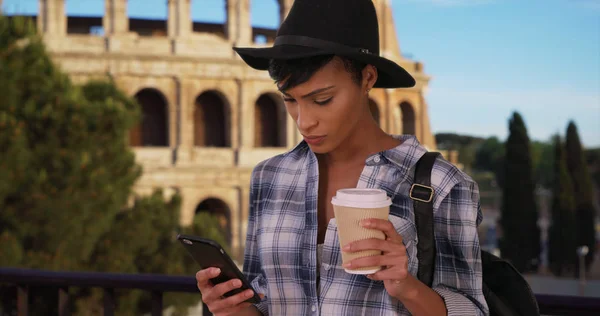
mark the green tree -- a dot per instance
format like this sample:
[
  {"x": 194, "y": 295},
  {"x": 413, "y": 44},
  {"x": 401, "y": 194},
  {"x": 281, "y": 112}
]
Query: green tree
[
  {"x": 488, "y": 154},
  {"x": 465, "y": 145},
  {"x": 521, "y": 241},
  {"x": 454, "y": 141},
  {"x": 582, "y": 184},
  {"x": 562, "y": 234},
  {"x": 71, "y": 167},
  {"x": 142, "y": 240},
  {"x": 542, "y": 157},
  {"x": 489, "y": 157},
  {"x": 66, "y": 174},
  {"x": 593, "y": 161},
  {"x": 67, "y": 170}
]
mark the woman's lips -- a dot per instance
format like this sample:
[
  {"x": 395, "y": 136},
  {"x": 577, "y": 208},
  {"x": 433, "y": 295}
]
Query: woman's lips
[{"x": 314, "y": 140}]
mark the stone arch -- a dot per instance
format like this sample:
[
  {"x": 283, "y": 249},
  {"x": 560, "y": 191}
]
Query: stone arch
[
  {"x": 153, "y": 129},
  {"x": 212, "y": 117},
  {"x": 409, "y": 122},
  {"x": 374, "y": 109},
  {"x": 270, "y": 128},
  {"x": 221, "y": 210}
]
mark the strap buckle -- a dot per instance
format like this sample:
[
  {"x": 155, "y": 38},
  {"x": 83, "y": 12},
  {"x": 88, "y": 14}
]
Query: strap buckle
[{"x": 419, "y": 188}]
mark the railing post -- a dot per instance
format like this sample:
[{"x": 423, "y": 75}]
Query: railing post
[
  {"x": 64, "y": 308},
  {"x": 22, "y": 301},
  {"x": 157, "y": 303},
  {"x": 109, "y": 302}
]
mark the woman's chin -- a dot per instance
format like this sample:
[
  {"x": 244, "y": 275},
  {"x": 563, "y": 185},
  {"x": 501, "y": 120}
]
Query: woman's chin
[{"x": 321, "y": 148}]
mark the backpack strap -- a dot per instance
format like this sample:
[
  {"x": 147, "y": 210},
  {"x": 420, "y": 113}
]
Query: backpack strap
[{"x": 422, "y": 194}]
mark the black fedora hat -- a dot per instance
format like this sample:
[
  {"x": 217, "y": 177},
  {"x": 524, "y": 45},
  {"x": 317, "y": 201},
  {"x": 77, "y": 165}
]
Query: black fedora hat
[{"x": 347, "y": 28}]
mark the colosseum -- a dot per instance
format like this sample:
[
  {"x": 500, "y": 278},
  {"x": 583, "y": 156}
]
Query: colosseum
[{"x": 207, "y": 117}]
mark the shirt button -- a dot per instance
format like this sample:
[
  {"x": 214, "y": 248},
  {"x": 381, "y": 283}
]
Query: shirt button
[
  {"x": 377, "y": 159},
  {"x": 326, "y": 266},
  {"x": 313, "y": 308}
]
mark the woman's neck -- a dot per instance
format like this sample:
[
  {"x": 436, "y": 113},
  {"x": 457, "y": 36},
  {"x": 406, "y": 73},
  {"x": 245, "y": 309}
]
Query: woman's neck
[{"x": 360, "y": 144}]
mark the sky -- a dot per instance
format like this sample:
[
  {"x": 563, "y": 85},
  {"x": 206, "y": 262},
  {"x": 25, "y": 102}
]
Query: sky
[{"x": 486, "y": 58}]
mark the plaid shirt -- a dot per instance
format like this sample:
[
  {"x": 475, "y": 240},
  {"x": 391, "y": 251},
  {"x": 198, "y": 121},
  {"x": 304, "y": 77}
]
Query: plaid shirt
[{"x": 281, "y": 247}]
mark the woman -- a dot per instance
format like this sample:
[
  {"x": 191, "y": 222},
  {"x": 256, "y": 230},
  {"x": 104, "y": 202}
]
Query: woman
[{"x": 325, "y": 60}]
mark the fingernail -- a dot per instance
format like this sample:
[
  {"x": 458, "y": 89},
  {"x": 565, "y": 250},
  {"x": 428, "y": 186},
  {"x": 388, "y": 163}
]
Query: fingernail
[
  {"x": 365, "y": 223},
  {"x": 216, "y": 271},
  {"x": 248, "y": 293},
  {"x": 237, "y": 283},
  {"x": 347, "y": 265},
  {"x": 346, "y": 247}
]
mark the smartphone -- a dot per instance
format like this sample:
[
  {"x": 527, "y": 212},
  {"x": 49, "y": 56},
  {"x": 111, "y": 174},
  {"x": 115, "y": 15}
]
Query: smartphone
[{"x": 209, "y": 254}]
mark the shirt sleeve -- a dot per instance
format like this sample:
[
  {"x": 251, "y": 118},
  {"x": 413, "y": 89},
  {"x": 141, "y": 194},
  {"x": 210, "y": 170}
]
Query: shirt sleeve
[
  {"x": 458, "y": 275},
  {"x": 252, "y": 267}
]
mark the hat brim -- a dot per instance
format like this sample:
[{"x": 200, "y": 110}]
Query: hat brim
[{"x": 390, "y": 74}]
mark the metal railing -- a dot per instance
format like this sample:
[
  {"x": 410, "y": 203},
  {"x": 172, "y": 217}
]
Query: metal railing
[
  {"x": 157, "y": 285},
  {"x": 24, "y": 279}
]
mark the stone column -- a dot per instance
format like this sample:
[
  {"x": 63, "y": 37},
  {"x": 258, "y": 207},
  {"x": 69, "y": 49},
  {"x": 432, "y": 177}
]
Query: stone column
[
  {"x": 179, "y": 22},
  {"x": 115, "y": 19},
  {"x": 52, "y": 19},
  {"x": 427, "y": 137},
  {"x": 238, "y": 28},
  {"x": 388, "y": 41},
  {"x": 186, "y": 122},
  {"x": 247, "y": 93},
  {"x": 189, "y": 198},
  {"x": 380, "y": 9},
  {"x": 284, "y": 9}
]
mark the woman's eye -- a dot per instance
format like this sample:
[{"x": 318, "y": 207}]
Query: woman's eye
[{"x": 323, "y": 102}]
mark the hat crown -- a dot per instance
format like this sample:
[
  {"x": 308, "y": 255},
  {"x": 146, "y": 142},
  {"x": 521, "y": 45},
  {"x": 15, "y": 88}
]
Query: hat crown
[{"x": 349, "y": 22}]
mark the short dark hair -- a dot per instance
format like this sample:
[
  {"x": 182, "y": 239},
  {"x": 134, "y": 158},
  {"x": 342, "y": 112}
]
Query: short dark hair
[{"x": 298, "y": 71}]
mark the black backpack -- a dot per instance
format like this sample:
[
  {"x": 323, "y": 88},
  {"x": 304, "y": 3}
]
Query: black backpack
[{"x": 506, "y": 292}]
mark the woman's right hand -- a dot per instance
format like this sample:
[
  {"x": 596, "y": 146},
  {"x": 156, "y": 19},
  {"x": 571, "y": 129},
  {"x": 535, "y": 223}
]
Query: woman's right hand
[{"x": 212, "y": 296}]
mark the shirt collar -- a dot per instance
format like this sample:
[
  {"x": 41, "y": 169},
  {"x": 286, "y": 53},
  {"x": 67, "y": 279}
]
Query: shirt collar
[{"x": 403, "y": 156}]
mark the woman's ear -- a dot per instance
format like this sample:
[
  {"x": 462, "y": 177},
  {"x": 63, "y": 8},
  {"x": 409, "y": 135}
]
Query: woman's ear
[{"x": 369, "y": 74}]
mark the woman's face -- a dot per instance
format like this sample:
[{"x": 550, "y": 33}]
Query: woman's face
[{"x": 330, "y": 107}]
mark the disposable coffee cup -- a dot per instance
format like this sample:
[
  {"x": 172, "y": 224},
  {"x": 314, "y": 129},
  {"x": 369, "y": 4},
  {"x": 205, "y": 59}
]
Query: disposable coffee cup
[{"x": 350, "y": 206}]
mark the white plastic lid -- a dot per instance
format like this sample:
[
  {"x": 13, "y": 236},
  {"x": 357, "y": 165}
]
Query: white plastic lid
[{"x": 361, "y": 198}]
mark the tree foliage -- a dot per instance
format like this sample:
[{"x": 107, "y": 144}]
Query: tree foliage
[
  {"x": 68, "y": 169},
  {"x": 521, "y": 241},
  {"x": 582, "y": 184},
  {"x": 562, "y": 235},
  {"x": 66, "y": 175},
  {"x": 542, "y": 158}
]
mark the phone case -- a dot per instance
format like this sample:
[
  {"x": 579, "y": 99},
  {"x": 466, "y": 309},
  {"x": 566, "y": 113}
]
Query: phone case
[{"x": 209, "y": 254}]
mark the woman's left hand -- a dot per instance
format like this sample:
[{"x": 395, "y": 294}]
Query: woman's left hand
[{"x": 393, "y": 260}]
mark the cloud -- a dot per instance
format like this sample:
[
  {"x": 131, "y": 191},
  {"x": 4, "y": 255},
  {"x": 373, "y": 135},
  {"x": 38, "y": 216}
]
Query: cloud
[{"x": 451, "y": 3}]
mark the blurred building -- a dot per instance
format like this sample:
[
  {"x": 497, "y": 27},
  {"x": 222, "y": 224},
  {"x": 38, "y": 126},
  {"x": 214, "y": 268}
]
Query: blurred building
[{"x": 208, "y": 118}]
